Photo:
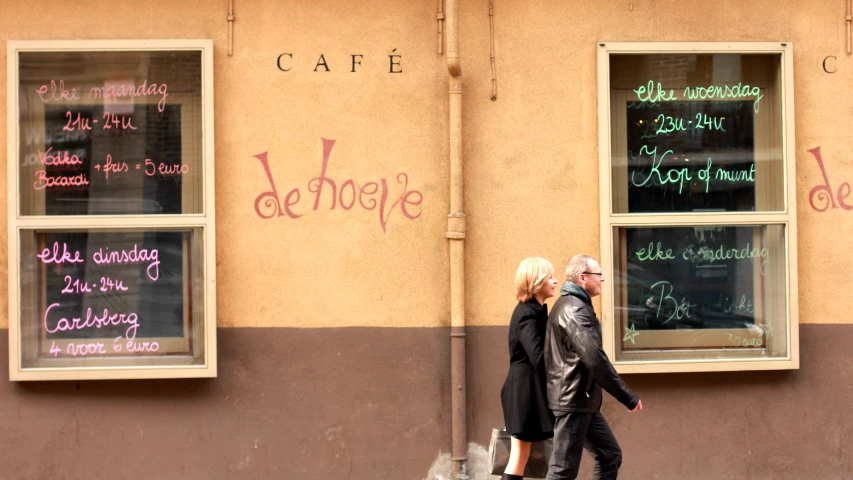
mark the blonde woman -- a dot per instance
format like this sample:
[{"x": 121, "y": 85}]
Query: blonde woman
[{"x": 523, "y": 396}]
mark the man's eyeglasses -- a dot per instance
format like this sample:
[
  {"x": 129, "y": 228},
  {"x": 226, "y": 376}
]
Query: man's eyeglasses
[{"x": 593, "y": 273}]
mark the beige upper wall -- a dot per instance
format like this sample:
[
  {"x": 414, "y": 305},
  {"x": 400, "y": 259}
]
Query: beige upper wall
[{"x": 531, "y": 157}]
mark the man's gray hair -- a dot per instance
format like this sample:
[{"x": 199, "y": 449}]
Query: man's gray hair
[{"x": 577, "y": 265}]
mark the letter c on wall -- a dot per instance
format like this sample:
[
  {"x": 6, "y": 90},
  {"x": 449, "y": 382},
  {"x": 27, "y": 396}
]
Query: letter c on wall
[
  {"x": 278, "y": 61},
  {"x": 824, "y": 64}
]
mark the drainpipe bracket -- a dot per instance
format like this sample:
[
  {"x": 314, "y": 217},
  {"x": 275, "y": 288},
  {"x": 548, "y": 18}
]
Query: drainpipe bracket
[
  {"x": 455, "y": 226},
  {"x": 454, "y": 64}
]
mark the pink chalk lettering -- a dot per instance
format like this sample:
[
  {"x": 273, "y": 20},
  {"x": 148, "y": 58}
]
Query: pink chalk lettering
[
  {"x": 109, "y": 166},
  {"x": 63, "y": 94},
  {"x": 131, "y": 90},
  {"x": 141, "y": 347},
  {"x": 270, "y": 197},
  {"x": 416, "y": 203},
  {"x": 164, "y": 169},
  {"x": 48, "y": 181},
  {"x": 352, "y": 201},
  {"x": 76, "y": 323},
  {"x": 59, "y": 158},
  {"x": 108, "y": 284},
  {"x": 134, "y": 255},
  {"x": 79, "y": 123},
  {"x": 288, "y": 203},
  {"x": 318, "y": 187},
  {"x": 84, "y": 349},
  {"x": 75, "y": 286},
  {"x": 346, "y": 195},
  {"x": 824, "y": 191},
  {"x": 371, "y": 192},
  {"x": 841, "y": 196},
  {"x": 48, "y": 256},
  {"x": 382, "y": 218},
  {"x": 111, "y": 120}
]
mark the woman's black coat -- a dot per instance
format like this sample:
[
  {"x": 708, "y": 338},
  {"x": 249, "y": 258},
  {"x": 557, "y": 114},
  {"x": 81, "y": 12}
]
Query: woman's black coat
[{"x": 523, "y": 396}]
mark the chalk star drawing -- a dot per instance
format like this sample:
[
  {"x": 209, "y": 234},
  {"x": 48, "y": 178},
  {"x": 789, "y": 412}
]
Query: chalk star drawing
[
  {"x": 630, "y": 333},
  {"x": 765, "y": 327}
]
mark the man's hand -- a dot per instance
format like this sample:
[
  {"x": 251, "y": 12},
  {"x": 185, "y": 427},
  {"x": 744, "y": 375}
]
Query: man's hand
[{"x": 638, "y": 407}]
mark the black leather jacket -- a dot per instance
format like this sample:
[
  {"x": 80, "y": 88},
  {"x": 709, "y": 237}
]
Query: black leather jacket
[{"x": 576, "y": 366}]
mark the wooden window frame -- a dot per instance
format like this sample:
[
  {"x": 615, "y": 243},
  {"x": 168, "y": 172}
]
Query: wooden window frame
[
  {"x": 205, "y": 221},
  {"x": 611, "y": 221}
]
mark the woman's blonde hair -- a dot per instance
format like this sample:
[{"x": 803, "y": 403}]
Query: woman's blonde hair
[{"x": 531, "y": 276}]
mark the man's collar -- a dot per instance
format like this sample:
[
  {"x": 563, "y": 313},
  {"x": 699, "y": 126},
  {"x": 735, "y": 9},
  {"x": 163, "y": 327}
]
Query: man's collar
[{"x": 575, "y": 290}]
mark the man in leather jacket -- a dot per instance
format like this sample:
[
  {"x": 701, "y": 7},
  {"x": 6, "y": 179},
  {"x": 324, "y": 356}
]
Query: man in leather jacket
[{"x": 577, "y": 369}]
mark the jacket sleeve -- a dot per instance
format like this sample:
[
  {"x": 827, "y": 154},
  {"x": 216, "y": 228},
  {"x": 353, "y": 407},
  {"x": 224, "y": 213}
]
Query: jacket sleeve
[
  {"x": 587, "y": 343},
  {"x": 532, "y": 340}
]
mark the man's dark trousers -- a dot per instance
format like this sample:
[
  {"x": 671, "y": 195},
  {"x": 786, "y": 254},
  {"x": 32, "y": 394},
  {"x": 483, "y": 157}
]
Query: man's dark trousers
[{"x": 574, "y": 432}]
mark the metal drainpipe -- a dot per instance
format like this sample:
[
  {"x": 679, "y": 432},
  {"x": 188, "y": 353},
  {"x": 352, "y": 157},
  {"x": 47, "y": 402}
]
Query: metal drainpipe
[
  {"x": 848, "y": 18},
  {"x": 456, "y": 236}
]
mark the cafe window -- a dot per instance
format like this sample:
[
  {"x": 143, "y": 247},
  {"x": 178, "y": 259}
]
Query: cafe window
[
  {"x": 698, "y": 212},
  {"x": 111, "y": 210}
]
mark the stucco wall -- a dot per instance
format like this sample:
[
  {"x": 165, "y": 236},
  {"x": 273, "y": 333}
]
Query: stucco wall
[
  {"x": 531, "y": 188},
  {"x": 531, "y": 157}
]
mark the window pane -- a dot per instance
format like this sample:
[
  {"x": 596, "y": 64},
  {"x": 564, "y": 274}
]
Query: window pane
[
  {"x": 700, "y": 292},
  {"x": 110, "y": 133},
  {"x": 696, "y": 133},
  {"x": 111, "y": 297}
]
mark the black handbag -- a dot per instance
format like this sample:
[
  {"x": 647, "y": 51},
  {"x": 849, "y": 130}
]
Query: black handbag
[{"x": 537, "y": 462}]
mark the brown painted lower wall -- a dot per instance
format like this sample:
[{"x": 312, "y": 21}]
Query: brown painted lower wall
[
  {"x": 741, "y": 425},
  {"x": 354, "y": 403},
  {"x": 373, "y": 403}
]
